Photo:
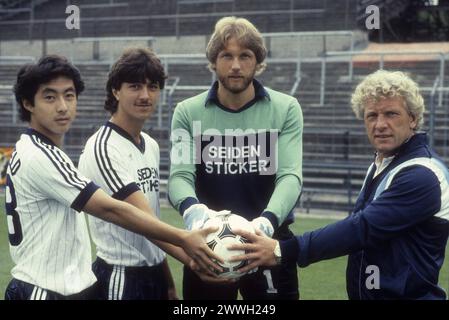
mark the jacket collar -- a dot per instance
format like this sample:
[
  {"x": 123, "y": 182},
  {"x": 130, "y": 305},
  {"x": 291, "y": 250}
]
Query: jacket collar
[{"x": 414, "y": 142}]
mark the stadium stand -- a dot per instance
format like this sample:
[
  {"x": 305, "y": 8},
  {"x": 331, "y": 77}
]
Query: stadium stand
[
  {"x": 173, "y": 17},
  {"x": 336, "y": 150}
]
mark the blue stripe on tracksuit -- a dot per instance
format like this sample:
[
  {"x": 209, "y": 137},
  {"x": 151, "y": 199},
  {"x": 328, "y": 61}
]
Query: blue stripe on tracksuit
[{"x": 399, "y": 225}]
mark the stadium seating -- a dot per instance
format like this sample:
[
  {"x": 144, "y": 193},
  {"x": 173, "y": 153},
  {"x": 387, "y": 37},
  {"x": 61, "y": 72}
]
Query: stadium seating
[
  {"x": 336, "y": 150},
  {"x": 174, "y": 17}
]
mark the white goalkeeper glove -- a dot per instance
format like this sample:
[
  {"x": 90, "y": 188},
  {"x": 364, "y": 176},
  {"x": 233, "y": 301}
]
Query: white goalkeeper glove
[
  {"x": 264, "y": 225},
  {"x": 215, "y": 214},
  {"x": 196, "y": 215}
]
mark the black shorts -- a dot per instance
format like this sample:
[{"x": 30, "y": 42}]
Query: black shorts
[
  {"x": 130, "y": 283},
  {"x": 20, "y": 290},
  {"x": 275, "y": 283}
]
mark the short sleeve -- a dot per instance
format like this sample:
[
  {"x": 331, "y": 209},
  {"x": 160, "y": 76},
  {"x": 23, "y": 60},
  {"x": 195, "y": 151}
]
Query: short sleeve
[
  {"x": 55, "y": 176},
  {"x": 108, "y": 166}
]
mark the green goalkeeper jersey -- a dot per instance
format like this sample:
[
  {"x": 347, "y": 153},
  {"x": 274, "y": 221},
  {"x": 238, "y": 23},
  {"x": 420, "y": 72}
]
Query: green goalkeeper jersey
[{"x": 248, "y": 161}]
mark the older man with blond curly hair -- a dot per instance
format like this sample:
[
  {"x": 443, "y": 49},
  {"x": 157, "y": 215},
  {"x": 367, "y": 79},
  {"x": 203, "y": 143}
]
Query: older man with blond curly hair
[{"x": 397, "y": 233}]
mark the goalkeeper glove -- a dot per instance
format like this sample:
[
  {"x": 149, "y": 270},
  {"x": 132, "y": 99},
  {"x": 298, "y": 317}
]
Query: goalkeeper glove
[
  {"x": 264, "y": 225},
  {"x": 196, "y": 215}
]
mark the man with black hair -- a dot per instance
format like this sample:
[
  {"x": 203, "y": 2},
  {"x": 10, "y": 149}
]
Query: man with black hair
[{"x": 124, "y": 161}]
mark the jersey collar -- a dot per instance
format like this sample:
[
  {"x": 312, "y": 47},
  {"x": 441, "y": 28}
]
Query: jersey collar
[
  {"x": 126, "y": 135},
  {"x": 44, "y": 138},
  {"x": 259, "y": 90}
]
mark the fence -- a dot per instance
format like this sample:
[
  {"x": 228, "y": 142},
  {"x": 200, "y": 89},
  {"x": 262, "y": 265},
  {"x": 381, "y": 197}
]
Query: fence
[
  {"x": 124, "y": 16},
  {"x": 346, "y": 168}
]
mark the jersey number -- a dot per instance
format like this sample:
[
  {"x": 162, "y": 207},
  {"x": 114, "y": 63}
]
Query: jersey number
[
  {"x": 271, "y": 288},
  {"x": 12, "y": 217}
]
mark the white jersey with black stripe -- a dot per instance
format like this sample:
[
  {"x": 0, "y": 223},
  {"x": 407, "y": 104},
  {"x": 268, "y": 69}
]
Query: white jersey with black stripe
[
  {"x": 121, "y": 167},
  {"x": 49, "y": 240}
]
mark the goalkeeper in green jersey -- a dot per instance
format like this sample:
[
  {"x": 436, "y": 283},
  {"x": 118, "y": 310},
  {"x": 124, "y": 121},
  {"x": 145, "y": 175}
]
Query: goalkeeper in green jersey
[{"x": 238, "y": 147}]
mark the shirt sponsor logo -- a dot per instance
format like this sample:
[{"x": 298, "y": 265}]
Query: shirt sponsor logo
[
  {"x": 233, "y": 151},
  {"x": 148, "y": 179}
]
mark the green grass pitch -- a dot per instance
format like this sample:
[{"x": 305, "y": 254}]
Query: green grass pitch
[{"x": 323, "y": 280}]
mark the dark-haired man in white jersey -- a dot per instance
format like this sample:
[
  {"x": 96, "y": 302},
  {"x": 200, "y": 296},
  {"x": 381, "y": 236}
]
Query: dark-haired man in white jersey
[{"x": 124, "y": 161}]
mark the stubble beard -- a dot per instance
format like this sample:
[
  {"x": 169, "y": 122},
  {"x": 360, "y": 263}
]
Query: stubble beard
[{"x": 236, "y": 89}]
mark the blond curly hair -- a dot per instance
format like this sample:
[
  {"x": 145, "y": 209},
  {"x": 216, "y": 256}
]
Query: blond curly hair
[
  {"x": 387, "y": 84},
  {"x": 246, "y": 34}
]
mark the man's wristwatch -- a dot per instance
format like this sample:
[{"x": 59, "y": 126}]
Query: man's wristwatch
[{"x": 277, "y": 253}]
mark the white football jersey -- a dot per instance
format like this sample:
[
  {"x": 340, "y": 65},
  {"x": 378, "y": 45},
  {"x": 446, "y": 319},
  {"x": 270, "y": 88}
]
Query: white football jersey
[
  {"x": 120, "y": 167},
  {"x": 49, "y": 240}
]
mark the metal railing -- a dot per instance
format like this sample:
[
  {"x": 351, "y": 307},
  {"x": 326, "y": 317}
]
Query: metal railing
[
  {"x": 181, "y": 3},
  {"x": 300, "y": 35},
  {"x": 110, "y": 4},
  {"x": 442, "y": 56},
  {"x": 13, "y": 60},
  {"x": 297, "y": 79},
  {"x": 195, "y": 59},
  {"x": 432, "y": 111},
  {"x": 433, "y": 107},
  {"x": 347, "y": 169},
  {"x": 172, "y": 20},
  {"x": 97, "y": 41},
  {"x": 171, "y": 91},
  {"x": 349, "y": 173},
  {"x": 5, "y": 95},
  {"x": 30, "y": 10},
  {"x": 168, "y": 94}
]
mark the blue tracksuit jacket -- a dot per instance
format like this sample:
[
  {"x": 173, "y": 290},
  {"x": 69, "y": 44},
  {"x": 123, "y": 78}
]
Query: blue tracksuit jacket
[{"x": 399, "y": 227}]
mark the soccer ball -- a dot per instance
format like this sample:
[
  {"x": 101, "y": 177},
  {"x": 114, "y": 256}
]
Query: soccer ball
[{"x": 223, "y": 237}]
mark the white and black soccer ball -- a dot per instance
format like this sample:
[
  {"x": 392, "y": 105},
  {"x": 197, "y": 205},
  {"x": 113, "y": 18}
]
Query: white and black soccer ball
[{"x": 223, "y": 237}]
